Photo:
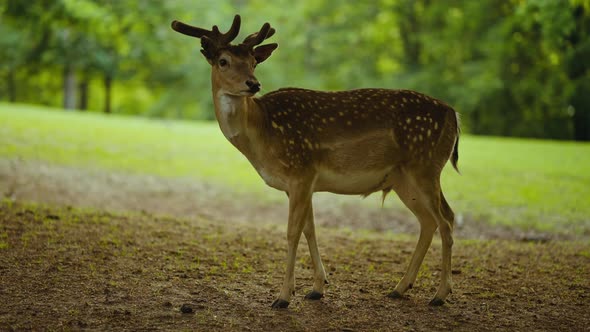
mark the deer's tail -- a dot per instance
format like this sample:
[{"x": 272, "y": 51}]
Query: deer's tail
[{"x": 455, "y": 154}]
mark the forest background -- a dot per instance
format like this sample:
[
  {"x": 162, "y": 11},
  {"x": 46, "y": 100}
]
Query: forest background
[{"x": 511, "y": 68}]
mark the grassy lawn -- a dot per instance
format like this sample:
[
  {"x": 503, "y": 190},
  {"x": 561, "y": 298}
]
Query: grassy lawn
[{"x": 536, "y": 184}]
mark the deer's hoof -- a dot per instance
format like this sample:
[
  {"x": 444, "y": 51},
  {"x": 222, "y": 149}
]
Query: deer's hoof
[
  {"x": 436, "y": 302},
  {"x": 313, "y": 295},
  {"x": 280, "y": 304},
  {"x": 395, "y": 295}
]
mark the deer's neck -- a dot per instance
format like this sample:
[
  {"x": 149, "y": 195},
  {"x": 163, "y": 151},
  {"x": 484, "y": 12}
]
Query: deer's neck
[
  {"x": 238, "y": 118},
  {"x": 229, "y": 113}
]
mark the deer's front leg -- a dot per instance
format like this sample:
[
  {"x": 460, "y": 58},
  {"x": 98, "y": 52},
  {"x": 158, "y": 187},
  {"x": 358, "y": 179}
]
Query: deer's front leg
[
  {"x": 319, "y": 275},
  {"x": 299, "y": 207}
]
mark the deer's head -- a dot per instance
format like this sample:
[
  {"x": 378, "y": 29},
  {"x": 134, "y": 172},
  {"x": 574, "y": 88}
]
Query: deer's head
[{"x": 232, "y": 65}]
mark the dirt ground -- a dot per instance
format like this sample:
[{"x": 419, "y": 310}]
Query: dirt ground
[{"x": 65, "y": 268}]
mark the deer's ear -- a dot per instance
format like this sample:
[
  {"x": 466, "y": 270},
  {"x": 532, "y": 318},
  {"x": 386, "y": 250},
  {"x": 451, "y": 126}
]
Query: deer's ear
[
  {"x": 207, "y": 48},
  {"x": 207, "y": 57},
  {"x": 262, "y": 52}
]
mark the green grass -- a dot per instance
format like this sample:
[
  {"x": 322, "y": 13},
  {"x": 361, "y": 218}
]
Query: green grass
[
  {"x": 122, "y": 143},
  {"x": 527, "y": 182},
  {"x": 544, "y": 185}
]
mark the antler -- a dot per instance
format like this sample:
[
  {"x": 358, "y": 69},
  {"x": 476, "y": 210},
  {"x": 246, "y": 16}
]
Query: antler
[
  {"x": 258, "y": 37},
  {"x": 214, "y": 35},
  {"x": 213, "y": 40}
]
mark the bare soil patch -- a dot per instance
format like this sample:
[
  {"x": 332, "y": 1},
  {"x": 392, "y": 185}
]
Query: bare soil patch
[{"x": 69, "y": 269}]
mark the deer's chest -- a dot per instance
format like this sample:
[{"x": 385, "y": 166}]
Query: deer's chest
[
  {"x": 270, "y": 163},
  {"x": 272, "y": 179}
]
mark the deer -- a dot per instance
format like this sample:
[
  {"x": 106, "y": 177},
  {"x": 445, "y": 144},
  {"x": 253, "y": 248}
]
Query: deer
[{"x": 354, "y": 142}]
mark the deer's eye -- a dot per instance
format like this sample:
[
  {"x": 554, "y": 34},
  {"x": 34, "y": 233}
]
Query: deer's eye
[{"x": 223, "y": 62}]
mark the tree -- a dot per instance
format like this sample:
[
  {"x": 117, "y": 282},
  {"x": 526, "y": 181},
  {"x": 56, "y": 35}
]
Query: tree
[{"x": 510, "y": 67}]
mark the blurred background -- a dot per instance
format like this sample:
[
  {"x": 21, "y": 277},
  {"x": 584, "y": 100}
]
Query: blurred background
[
  {"x": 510, "y": 67},
  {"x": 121, "y": 201}
]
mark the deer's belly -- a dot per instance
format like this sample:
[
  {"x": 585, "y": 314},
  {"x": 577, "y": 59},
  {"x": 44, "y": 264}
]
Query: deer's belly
[
  {"x": 345, "y": 183},
  {"x": 358, "y": 165},
  {"x": 352, "y": 182}
]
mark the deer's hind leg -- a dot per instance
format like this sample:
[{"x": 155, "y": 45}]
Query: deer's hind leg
[
  {"x": 422, "y": 195},
  {"x": 446, "y": 224},
  {"x": 319, "y": 275}
]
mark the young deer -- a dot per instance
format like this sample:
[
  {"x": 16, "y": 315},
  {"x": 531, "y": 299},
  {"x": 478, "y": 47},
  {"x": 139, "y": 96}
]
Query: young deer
[{"x": 349, "y": 142}]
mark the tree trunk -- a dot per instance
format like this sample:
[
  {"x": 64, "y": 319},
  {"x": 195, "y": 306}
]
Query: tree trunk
[
  {"x": 69, "y": 88},
  {"x": 83, "y": 90},
  {"x": 108, "y": 82},
  {"x": 578, "y": 69},
  {"x": 581, "y": 119},
  {"x": 11, "y": 86},
  {"x": 409, "y": 30}
]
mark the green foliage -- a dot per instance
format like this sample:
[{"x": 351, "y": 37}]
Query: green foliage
[
  {"x": 515, "y": 67},
  {"x": 515, "y": 182}
]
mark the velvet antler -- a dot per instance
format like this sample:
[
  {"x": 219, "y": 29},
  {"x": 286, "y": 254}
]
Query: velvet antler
[
  {"x": 258, "y": 37},
  {"x": 211, "y": 40},
  {"x": 214, "y": 34}
]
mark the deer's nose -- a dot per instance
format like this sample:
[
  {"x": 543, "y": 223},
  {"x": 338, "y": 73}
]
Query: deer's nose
[{"x": 253, "y": 85}]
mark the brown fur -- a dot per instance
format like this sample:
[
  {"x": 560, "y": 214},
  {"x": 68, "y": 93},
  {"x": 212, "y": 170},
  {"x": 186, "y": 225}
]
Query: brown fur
[{"x": 302, "y": 122}]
